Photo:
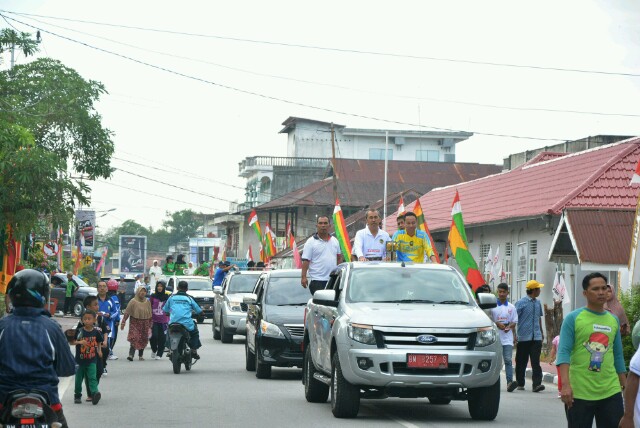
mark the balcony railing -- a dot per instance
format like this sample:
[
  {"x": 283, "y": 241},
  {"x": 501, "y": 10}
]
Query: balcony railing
[{"x": 255, "y": 161}]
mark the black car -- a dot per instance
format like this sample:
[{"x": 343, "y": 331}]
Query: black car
[
  {"x": 59, "y": 291},
  {"x": 275, "y": 322},
  {"x": 129, "y": 293}
]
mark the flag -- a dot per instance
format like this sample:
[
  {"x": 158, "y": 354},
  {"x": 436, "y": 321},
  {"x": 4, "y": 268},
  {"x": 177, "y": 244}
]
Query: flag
[
  {"x": 297, "y": 260},
  {"x": 488, "y": 262},
  {"x": 223, "y": 257},
  {"x": 60, "y": 235},
  {"x": 401, "y": 209},
  {"x": 636, "y": 175},
  {"x": 287, "y": 236},
  {"x": 460, "y": 248},
  {"x": 341, "y": 232},
  {"x": 261, "y": 252},
  {"x": 255, "y": 224},
  {"x": 249, "y": 254},
  {"x": 269, "y": 241},
  {"x": 102, "y": 259},
  {"x": 422, "y": 225},
  {"x": 78, "y": 252},
  {"x": 496, "y": 265}
]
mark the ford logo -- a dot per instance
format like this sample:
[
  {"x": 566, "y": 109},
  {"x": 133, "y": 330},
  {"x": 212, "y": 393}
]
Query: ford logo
[
  {"x": 427, "y": 339},
  {"x": 206, "y": 299}
]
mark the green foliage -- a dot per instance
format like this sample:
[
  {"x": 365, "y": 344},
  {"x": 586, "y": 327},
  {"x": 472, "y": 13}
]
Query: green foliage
[
  {"x": 630, "y": 301},
  {"x": 182, "y": 224},
  {"x": 22, "y": 41},
  {"x": 89, "y": 275}
]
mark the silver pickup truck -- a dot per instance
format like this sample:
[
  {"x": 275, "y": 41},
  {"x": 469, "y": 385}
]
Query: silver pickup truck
[{"x": 393, "y": 330}]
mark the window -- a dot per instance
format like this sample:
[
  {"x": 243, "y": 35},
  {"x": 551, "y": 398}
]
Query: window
[
  {"x": 427, "y": 155},
  {"x": 507, "y": 271},
  {"x": 533, "y": 247},
  {"x": 507, "y": 249},
  {"x": 533, "y": 267},
  {"x": 378, "y": 154},
  {"x": 484, "y": 252}
]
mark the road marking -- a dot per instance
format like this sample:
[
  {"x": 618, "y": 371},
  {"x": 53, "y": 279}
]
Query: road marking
[
  {"x": 63, "y": 385},
  {"x": 396, "y": 419}
]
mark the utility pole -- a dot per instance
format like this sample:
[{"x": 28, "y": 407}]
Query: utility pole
[
  {"x": 386, "y": 163},
  {"x": 333, "y": 163}
]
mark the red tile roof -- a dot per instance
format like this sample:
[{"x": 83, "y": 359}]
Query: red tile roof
[
  {"x": 602, "y": 236},
  {"x": 596, "y": 178}
]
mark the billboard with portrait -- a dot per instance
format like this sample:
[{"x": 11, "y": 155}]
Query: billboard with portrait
[
  {"x": 133, "y": 254},
  {"x": 85, "y": 223}
]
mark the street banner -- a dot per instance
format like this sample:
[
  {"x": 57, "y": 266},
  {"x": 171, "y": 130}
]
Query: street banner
[
  {"x": 85, "y": 223},
  {"x": 133, "y": 254}
]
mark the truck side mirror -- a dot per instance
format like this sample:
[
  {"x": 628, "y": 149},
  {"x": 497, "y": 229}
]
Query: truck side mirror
[
  {"x": 325, "y": 298},
  {"x": 250, "y": 299},
  {"x": 487, "y": 301}
]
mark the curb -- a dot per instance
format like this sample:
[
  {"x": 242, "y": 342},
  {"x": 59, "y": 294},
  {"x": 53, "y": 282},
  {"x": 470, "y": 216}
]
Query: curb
[{"x": 546, "y": 376}]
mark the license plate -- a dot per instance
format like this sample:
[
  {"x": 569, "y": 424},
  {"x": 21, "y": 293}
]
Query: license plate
[
  {"x": 36, "y": 425},
  {"x": 428, "y": 361}
]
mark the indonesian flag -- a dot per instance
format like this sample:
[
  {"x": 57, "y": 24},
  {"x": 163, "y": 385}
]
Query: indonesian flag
[
  {"x": 636, "y": 175},
  {"x": 249, "y": 254},
  {"x": 297, "y": 260},
  {"x": 401, "y": 209}
]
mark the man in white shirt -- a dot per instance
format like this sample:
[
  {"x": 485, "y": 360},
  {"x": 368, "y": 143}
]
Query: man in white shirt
[
  {"x": 370, "y": 243},
  {"x": 155, "y": 272},
  {"x": 139, "y": 283},
  {"x": 505, "y": 316},
  {"x": 320, "y": 256}
]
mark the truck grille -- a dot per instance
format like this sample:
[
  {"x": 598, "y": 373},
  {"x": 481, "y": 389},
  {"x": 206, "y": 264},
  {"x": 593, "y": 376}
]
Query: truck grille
[
  {"x": 446, "y": 339},
  {"x": 244, "y": 307},
  {"x": 401, "y": 368},
  {"x": 295, "y": 329}
]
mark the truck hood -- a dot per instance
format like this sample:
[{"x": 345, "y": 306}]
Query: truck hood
[
  {"x": 201, "y": 293},
  {"x": 236, "y": 297},
  {"x": 284, "y": 314},
  {"x": 418, "y": 315}
]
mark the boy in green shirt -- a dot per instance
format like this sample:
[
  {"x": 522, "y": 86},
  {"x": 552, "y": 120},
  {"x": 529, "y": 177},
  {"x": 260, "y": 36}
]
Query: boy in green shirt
[{"x": 590, "y": 361}]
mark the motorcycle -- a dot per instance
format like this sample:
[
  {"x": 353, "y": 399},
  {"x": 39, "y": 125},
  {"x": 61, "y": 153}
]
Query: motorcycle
[
  {"x": 28, "y": 409},
  {"x": 180, "y": 349}
]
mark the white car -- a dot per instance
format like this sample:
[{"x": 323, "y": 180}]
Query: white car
[
  {"x": 229, "y": 313},
  {"x": 199, "y": 289}
]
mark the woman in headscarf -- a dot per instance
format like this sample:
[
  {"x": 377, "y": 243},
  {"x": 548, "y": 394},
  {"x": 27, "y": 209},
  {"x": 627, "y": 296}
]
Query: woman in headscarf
[
  {"x": 181, "y": 265},
  {"x": 139, "y": 310},
  {"x": 614, "y": 306},
  {"x": 169, "y": 267},
  {"x": 160, "y": 320}
]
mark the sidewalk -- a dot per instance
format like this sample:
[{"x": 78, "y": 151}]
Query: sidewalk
[{"x": 549, "y": 373}]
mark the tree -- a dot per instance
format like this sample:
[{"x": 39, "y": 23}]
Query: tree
[
  {"x": 47, "y": 119},
  {"x": 182, "y": 224}
]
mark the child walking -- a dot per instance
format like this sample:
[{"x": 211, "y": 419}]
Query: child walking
[
  {"x": 88, "y": 342},
  {"x": 92, "y": 303},
  {"x": 552, "y": 357}
]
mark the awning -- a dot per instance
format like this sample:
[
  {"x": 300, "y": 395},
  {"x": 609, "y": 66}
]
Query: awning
[{"x": 593, "y": 238}]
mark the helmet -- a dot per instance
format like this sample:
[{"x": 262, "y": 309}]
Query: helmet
[
  {"x": 112, "y": 285},
  {"x": 29, "y": 287}
]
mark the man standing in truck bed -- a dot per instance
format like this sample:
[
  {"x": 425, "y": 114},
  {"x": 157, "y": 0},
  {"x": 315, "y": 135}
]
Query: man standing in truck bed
[{"x": 320, "y": 257}]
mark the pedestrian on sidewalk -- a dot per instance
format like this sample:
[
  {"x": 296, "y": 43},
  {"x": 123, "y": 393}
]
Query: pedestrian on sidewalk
[
  {"x": 139, "y": 310},
  {"x": 590, "y": 360},
  {"x": 70, "y": 291},
  {"x": 87, "y": 341},
  {"x": 506, "y": 318},
  {"x": 530, "y": 336},
  {"x": 160, "y": 320},
  {"x": 552, "y": 358},
  {"x": 112, "y": 292},
  {"x": 614, "y": 306},
  {"x": 109, "y": 311}
]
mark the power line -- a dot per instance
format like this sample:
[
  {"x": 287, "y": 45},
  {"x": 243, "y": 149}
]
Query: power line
[
  {"x": 334, "y": 49},
  {"x": 273, "y": 98},
  {"x": 341, "y": 87}
]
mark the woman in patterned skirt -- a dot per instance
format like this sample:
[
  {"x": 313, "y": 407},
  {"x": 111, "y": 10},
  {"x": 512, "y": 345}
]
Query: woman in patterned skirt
[{"x": 139, "y": 310}]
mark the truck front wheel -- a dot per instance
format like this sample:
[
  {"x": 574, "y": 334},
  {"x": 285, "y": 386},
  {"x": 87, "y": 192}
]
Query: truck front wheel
[
  {"x": 314, "y": 390},
  {"x": 345, "y": 398},
  {"x": 484, "y": 402}
]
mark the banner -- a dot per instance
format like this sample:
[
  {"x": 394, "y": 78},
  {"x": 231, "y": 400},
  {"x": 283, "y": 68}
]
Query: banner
[
  {"x": 133, "y": 254},
  {"x": 85, "y": 223}
]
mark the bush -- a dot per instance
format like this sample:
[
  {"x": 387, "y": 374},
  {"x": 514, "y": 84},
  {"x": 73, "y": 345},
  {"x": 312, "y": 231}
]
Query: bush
[{"x": 630, "y": 301}]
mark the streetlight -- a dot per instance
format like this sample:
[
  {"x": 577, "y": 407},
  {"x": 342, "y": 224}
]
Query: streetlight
[{"x": 105, "y": 212}]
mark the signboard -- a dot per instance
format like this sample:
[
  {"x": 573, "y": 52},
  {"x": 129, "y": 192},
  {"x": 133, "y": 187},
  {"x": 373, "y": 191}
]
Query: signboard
[
  {"x": 85, "y": 223},
  {"x": 51, "y": 249},
  {"x": 133, "y": 254}
]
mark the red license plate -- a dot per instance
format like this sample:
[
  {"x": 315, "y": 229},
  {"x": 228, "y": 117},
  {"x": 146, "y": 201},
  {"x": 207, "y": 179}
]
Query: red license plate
[{"x": 428, "y": 361}]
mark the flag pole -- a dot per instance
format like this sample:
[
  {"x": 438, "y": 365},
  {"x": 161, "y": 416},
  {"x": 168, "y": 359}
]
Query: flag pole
[{"x": 386, "y": 167}]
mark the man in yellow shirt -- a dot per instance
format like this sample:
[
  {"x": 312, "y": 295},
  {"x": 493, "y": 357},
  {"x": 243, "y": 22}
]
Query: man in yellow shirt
[{"x": 413, "y": 245}]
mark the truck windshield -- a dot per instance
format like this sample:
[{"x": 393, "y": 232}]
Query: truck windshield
[
  {"x": 197, "y": 284},
  {"x": 286, "y": 292},
  {"x": 240, "y": 283},
  {"x": 407, "y": 285}
]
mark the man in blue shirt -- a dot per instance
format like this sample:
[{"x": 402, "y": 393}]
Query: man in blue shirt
[
  {"x": 530, "y": 336},
  {"x": 179, "y": 308},
  {"x": 221, "y": 272}
]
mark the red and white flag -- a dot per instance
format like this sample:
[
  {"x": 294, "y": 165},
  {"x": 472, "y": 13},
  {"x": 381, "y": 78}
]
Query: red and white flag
[
  {"x": 297, "y": 260},
  {"x": 249, "y": 254},
  {"x": 636, "y": 175},
  {"x": 401, "y": 209}
]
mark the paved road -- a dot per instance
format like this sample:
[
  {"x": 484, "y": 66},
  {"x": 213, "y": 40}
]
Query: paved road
[{"x": 219, "y": 392}]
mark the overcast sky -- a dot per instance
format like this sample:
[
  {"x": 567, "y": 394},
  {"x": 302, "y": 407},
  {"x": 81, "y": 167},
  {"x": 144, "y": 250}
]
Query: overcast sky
[{"x": 190, "y": 100}]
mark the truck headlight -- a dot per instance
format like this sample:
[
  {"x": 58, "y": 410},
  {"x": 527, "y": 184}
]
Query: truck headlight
[
  {"x": 234, "y": 306},
  {"x": 269, "y": 329},
  {"x": 486, "y": 336},
  {"x": 361, "y": 333}
]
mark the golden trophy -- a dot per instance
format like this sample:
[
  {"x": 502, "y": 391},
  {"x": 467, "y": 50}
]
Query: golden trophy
[{"x": 392, "y": 247}]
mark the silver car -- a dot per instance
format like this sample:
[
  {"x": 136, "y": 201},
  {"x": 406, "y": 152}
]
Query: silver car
[{"x": 229, "y": 313}]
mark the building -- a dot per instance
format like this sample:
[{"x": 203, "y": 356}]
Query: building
[{"x": 568, "y": 213}]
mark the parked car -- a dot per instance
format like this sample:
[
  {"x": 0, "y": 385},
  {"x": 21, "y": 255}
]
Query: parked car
[
  {"x": 229, "y": 312},
  {"x": 59, "y": 291},
  {"x": 275, "y": 318},
  {"x": 199, "y": 289}
]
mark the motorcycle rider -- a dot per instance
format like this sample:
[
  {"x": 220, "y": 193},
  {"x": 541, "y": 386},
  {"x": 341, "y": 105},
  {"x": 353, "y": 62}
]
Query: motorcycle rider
[
  {"x": 179, "y": 308},
  {"x": 33, "y": 350}
]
